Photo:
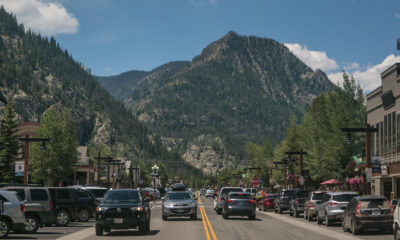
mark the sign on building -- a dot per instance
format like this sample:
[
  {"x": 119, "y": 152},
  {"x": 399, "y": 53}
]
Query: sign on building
[
  {"x": 368, "y": 173},
  {"x": 384, "y": 170}
]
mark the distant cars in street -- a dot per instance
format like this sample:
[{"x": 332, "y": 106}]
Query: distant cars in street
[
  {"x": 210, "y": 193},
  {"x": 282, "y": 201},
  {"x": 267, "y": 202},
  {"x": 222, "y": 195}
]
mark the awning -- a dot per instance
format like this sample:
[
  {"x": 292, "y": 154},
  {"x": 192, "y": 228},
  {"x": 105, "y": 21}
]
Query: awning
[{"x": 331, "y": 182}]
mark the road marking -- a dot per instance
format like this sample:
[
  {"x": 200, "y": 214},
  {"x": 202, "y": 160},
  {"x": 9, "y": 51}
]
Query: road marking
[
  {"x": 317, "y": 229},
  {"x": 82, "y": 234},
  {"x": 205, "y": 225},
  {"x": 206, "y": 222},
  {"x": 209, "y": 225}
]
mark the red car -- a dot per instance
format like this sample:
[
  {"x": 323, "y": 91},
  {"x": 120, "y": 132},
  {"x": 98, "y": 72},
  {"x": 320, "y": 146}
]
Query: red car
[{"x": 267, "y": 202}]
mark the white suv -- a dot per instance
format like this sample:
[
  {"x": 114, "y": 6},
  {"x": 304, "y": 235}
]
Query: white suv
[
  {"x": 210, "y": 193},
  {"x": 12, "y": 216}
]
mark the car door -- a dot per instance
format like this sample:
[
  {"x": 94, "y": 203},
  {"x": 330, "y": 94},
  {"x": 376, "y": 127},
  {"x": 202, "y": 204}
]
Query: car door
[
  {"x": 322, "y": 205},
  {"x": 347, "y": 213}
]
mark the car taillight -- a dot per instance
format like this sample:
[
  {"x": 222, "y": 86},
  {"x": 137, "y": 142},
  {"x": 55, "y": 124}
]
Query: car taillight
[
  {"x": 310, "y": 205},
  {"x": 332, "y": 204},
  {"x": 229, "y": 200},
  {"x": 219, "y": 199},
  {"x": 252, "y": 201},
  {"x": 51, "y": 206},
  {"x": 22, "y": 208},
  {"x": 358, "y": 213}
]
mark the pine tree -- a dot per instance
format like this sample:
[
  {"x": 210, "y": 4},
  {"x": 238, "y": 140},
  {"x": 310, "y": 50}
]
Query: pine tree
[{"x": 9, "y": 143}]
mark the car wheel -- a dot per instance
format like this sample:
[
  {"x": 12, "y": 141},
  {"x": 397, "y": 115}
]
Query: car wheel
[
  {"x": 327, "y": 222},
  {"x": 83, "y": 215},
  {"x": 31, "y": 224},
  {"x": 142, "y": 228},
  {"x": 354, "y": 230},
  {"x": 99, "y": 230},
  {"x": 164, "y": 218},
  {"x": 296, "y": 213},
  {"x": 252, "y": 217},
  {"x": 4, "y": 228},
  {"x": 309, "y": 217},
  {"x": 62, "y": 218},
  {"x": 319, "y": 221}
]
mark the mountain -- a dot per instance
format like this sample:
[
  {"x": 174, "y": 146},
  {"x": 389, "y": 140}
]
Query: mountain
[
  {"x": 37, "y": 74},
  {"x": 238, "y": 89}
]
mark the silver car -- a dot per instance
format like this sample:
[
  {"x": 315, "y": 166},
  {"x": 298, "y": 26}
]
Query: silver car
[
  {"x": 332, "y": 206},
  {"x": 12, "y": 216},
  {"x": 179, "y": 204}
]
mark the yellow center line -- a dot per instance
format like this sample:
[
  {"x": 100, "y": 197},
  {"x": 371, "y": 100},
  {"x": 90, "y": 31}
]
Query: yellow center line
[
  {"x": 209, "y": 225},
  {"x": 205, "y": 225}
]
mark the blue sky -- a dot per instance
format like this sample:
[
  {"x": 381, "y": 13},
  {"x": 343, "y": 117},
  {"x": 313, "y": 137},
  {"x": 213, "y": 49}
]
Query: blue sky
[{"x": 114, "y": 36}]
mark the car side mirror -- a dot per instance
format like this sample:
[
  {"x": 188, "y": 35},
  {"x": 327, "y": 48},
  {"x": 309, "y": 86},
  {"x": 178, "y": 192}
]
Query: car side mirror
[
  {"x": 394, "y": 202},
  {"x": 318, "y": 202}
]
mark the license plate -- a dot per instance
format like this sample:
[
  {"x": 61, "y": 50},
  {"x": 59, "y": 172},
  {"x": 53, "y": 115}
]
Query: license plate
[
  {"x": 118, "y": 220},
  {"x": 181, "y": 210},
  {"x": 376, "y": 213}
]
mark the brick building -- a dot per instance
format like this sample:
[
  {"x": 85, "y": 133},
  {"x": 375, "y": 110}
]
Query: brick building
[{"x": 383, "y": 112}]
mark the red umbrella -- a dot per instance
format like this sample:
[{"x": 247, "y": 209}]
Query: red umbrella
[{"x": 331, "y": 182}]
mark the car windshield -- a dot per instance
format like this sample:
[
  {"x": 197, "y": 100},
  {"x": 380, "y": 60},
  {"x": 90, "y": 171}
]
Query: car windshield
[
  {"x": 270, "y": 196},
  {"x": 99, "y": 193},
  {"x": 301, "y": 194},
  {"x": 374, "y": 203},
  {"x": 178, "y": 196},
  {"x": 240, "y": 196},
  {"x": 343, "y": 197},
  {"x": 121, "y": 197},
  {"x": 317, "y": 196}
]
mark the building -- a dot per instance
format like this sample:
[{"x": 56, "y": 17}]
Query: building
[
  {"x": 383, "y": 113},
  {"x": 84, "y": 171}
]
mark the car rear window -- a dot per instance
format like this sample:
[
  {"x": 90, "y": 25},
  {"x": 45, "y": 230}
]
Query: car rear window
[
  {"x": 302, "y": 194},
  {"x": 38, "y": 195},
  {"x": 20, "y": 193},
  {"x": 240, "y": 196},
  {"x": 3, "y": 199},
  {"x": 374, "y": 203},
  {"x": 82, "y": 194},
  {"x": 228, "y": 190},
  {"x": 343, "y": 197},
  {"x": 317, "y": 196}
]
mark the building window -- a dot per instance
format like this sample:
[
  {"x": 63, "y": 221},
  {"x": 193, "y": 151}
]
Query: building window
[
  {"x": 381, "y": 140},
  {"x": 394, "y": 130},
  {"x": 398, "y": 129},
  {"x": 377, "y": 152},
  {"x": 385, "y": 133},
  {"x": 389, "y": 135}
]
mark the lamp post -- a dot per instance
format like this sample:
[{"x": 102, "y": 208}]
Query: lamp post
[
  {"x": 154, "y": 174},
  {"x": 27, "y": 140},
  {"x": 99, "y": 158}
]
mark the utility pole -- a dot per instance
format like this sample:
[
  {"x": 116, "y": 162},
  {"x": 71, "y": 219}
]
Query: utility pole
[
  {"x": 285, "y": 162},
  {"x": 27, "y": 140},
  {"x": 301, "y": 153},
  {"x": 368, "y": 130}
]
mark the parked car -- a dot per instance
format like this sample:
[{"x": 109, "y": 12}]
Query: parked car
[
  {"x": 239, "y": 204},
  {"x": 310, "y": 210},
  {"x": 332, "y": 206},
  {"x": 368, "y": 212},
  {"x": 222, "y": 195},
  {"x": 12, "y": 216},
  {"x": 71, "y": 204},
  {"x": 282, "y": 200},
  {"x": 38, "y": 206},
  {"x": 297, "y": 202},
  {"x": 98, "y": 192},
  {"x": 179, "y": 204},
  {"x": 267, "y": 202},
  {"x": 210, "y": 193},
  {"x": 123, "y": 209}
]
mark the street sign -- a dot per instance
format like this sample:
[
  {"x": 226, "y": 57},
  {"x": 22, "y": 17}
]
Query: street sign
[
  {"x": 19, "y": 168},
  {"x": 301, "y": 180},
  {"x": 255, "y": 181},
  {"x": 368, "y": 173}
]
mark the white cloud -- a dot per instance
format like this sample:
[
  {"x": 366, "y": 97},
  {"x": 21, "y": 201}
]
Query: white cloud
[
  {"x": 397, "y": 15},
  {"x": 48, "y": 18},
  {"x": 314, "y": 59},
  {"x": 351, "y": 66},
  {"x": 369, "y": 77}
]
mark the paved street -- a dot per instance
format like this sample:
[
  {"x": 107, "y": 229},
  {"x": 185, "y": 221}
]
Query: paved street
[{"x": 210, "y": 226}]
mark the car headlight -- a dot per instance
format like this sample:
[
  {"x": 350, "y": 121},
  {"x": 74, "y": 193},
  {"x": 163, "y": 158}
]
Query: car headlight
[
  {"x": 139, "y": 209},
  {"x": 100, "y": 209}
]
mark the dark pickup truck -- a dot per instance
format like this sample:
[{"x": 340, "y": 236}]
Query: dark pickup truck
[
  {"x": 297, "y": 202},
  {"x": 282, "y": 201}
]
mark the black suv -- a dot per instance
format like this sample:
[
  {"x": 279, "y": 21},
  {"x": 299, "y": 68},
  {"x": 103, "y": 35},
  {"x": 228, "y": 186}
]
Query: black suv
[
  {"x": 297, "y": 202},
  {"x": 282, "y": 201},
  {"x": 72, "y": 204},
  {"x": 38, "y": 206},
  {"x": 123, "y": 209}
]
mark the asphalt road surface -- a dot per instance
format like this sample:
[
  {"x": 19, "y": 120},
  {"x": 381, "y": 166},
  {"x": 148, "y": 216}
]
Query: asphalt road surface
[{"x": 211, "y": 226}]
